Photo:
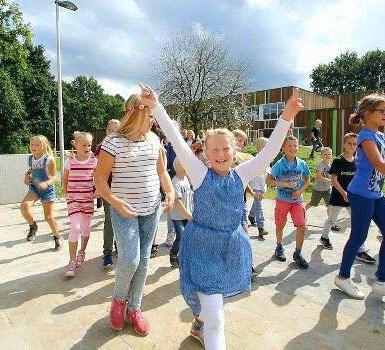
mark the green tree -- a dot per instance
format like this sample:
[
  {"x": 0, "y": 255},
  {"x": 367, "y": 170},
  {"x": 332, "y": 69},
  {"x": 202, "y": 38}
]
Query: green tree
[{"x": 350, "y": 73}]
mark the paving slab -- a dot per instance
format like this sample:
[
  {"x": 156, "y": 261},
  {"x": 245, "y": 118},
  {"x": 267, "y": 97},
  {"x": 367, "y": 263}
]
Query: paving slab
[{"x": 287, "y": 308}]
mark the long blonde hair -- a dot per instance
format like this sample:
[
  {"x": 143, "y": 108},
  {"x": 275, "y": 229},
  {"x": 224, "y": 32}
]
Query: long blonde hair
[
  {"x": 46, "y": 146},
  {"x": 133, "y": 122}
]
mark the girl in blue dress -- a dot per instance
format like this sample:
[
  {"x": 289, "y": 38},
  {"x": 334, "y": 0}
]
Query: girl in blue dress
[{"x": 215, "y": 253}]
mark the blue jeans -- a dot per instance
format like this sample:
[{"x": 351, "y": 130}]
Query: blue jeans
[
  {"x": 134, "y": 239},
  {"x": 363, "y": 211},
  {"x": 317, "y": 145},
  {"x": 179, "y": 226},
  {"x": 256, "y": 212}
]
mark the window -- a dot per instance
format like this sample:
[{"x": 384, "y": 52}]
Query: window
[{"x": 269, "y": 111}]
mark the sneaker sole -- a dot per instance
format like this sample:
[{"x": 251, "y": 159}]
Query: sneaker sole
[
  {"x": 70, "y": 274},
  {"x": 366, "y": 261},
  {"x": 30, "y": 239},
  {"x": 357, "y": 297},
  {"x": 106, "y": 267},
  {"x": 280, "y": 259}
]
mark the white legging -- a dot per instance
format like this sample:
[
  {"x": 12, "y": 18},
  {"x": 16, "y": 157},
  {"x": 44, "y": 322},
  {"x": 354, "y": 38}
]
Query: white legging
[{"x": 213, "y": 317}]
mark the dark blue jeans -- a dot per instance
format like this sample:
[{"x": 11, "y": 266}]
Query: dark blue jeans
[
  {"x": 363, "y": 211},
  {"x": 317, "y": 145},
  {"x": 179, "y": 226}
]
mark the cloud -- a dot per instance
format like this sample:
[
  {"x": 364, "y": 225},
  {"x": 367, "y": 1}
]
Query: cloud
[{"x": 119, "y": 42}]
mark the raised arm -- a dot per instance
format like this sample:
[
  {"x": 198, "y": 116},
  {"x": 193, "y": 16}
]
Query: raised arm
[
  {"x": 262, "y": 160},
  {"x": 195, "y": 169}
]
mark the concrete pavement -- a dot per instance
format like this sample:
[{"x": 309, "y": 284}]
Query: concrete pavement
[{"x": 287, "y": 308}]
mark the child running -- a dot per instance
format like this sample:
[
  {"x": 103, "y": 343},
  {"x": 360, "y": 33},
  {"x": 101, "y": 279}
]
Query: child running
[
  {"x": 181, "y": 212},
  {"x": 365, "y": 194},
  {"x": 215, "y": 253},
  {"x": 40, "y": 178},
  {"x": 290, "y": 175},
  {"x": 78, "y": 182},
  {"x": 323, "y": 184},
  {"x": 342, "y": 171},
  {"x": 259, "y": 187}
]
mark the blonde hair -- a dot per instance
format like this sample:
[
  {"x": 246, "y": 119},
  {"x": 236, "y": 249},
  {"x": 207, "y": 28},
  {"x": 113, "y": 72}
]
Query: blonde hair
[
  {"x": 220, "y": 132},
  {"x": 78, "y": 137},
  {"x": 113, "y": 121},
  {"x": 326, "y": 149},
  {"x": 367, "y": 105},
  {"x": 46, "y": 146},
  {"x": 260, "y": 142},
  {"x": 192, "y": 134},
  {"x": 133, "y": 121},
  {"x": 240, "y": 133},
  {"x": 178, "y": 167}
]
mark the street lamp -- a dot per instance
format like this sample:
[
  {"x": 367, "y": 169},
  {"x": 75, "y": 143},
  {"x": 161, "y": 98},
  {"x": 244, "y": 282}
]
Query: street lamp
[{"x": 69, "y": 6}]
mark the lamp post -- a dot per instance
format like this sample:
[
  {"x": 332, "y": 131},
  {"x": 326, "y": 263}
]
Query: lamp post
[{"x": 69, "y": 6}]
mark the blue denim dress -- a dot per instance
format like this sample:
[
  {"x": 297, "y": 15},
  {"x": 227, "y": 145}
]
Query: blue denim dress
[
  {"x": 39, "y": 174},
  {"x": 215, "y": 253}
]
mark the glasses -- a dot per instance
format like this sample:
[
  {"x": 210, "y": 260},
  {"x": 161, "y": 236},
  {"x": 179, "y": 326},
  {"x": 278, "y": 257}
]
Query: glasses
[{"x": 382, "y": 111}]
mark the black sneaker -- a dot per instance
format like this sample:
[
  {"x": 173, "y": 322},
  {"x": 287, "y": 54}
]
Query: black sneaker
[
  {"x": 280, "y": 253},
  {"x": 326, "y": 243},
  {"x": 365, "y": 257},
  {"x": 336, "y": 228},
  {"x": 174, "y": 261},
  {"x": 32, "y": 232},
  {"x": 300, "y": 260},
  {"x": 252, "y": 221},
  {"x": 262, "y": 232},
  {"x": 58, "y": 243},
  {"x": 107, "y": 261}
]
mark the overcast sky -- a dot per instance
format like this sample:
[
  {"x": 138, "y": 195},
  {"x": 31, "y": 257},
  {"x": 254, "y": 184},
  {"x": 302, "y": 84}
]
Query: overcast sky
[{"x": 118, "y": 41}]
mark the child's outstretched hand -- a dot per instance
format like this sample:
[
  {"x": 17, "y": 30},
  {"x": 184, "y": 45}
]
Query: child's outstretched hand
[
  {"x": 293, "y": 106},
  {"x": 148, "y": 97}
]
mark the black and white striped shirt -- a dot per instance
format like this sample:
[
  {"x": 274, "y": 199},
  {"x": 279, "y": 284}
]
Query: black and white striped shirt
[{"x": 134, "y": 174}]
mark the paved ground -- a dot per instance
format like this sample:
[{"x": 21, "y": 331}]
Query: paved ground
[{"x": 287, "y": 308}]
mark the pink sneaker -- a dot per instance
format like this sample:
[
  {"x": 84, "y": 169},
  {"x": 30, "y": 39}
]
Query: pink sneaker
[
  {"x": 71, "y": 268},
  {"x": 118, "y": 308},
  {"x": 140, "y": 324},
  {"x": 80, "y": 258}
]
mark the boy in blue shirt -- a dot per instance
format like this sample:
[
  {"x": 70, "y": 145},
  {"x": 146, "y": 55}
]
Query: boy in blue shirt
[{"x": 290, "y": 176}]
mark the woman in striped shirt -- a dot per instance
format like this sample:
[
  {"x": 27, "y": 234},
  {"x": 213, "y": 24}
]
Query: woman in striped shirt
[
  {"x": 78, "y": 181},
  {"x": 135, "y": 159}
]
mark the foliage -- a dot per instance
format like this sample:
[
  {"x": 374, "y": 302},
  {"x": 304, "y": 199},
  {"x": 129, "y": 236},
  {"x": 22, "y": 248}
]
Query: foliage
[
  {"x": 350, "y": 73},
  {"x": 201, "y": 81}
]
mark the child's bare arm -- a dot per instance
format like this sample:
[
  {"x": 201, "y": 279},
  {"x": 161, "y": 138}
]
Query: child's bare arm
[
  {"x": 338, "y": 187},
  {"x": 65, "y": 181},
  {"x": 180, "y": 206}
]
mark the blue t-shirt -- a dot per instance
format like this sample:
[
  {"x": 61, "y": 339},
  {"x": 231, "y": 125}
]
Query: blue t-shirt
[
  {"x": 368, "y": 181},
  {"x": 284, "y": 170}
]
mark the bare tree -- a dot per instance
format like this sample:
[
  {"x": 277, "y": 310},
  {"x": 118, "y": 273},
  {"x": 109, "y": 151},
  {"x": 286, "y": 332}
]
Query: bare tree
[{"x": 200, "y": 82}]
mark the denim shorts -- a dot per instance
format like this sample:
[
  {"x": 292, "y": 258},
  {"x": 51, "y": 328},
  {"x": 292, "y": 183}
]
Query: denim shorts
[{"x": 48, "y": 195}]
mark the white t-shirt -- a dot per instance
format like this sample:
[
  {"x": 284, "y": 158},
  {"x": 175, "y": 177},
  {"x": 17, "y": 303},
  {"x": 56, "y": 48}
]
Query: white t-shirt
[
  {"x": 134, "y": 173},
  {"x": 258, "y": 183},
  {"x": 182, "y": 191}
]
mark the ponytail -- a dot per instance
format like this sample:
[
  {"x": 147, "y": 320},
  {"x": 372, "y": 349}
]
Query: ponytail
[{"x": 356, "y": 118}]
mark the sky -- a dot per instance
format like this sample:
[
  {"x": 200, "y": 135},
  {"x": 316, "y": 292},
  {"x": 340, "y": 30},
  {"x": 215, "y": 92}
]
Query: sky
[{"x": 119, "y": 41}]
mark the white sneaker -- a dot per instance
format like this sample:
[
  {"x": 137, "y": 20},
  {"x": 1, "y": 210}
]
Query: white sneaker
[
  {"x": 169, "y": 242},
  {"x": 379, "y": 287},
  {"x": 71, "y": 268},
  {"x": 349, "y": 288}
]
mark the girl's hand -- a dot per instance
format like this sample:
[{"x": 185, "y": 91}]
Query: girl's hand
[
  {"x": 124, "y": 208},
  {"x": 293, "y": 106},
  {"x": 42, "y": 185},
  {"x": 258, "y": 196},
  {"x": 27, "y": 179},
  {"x": 168, "y": 203},
  {"x": 345, "y": 197},
  {"x": 148, "y": 97},
  {"x": 189, "y": 217}
]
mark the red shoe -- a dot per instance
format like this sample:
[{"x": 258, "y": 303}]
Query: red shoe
[
  {"x": 140, "y": 324},
  {"x": 118, "y": 308}
]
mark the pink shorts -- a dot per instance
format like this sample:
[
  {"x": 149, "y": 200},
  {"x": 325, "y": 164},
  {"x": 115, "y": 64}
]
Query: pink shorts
[{"x": 296, "y": 210}]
